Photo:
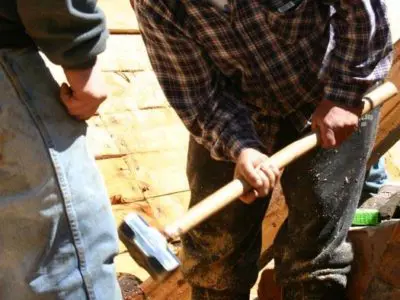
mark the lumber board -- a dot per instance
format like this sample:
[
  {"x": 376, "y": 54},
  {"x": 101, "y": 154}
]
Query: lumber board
[
  {"x": 120, "y": 16},
  {"x": 125, "y": 52},
  {"x": 275, "y": 216},
  {"x": 159, "y": 173},
  {"x": 169, "y": 207},
  {"x": 374, "y": 271},
  {"x": 100, "y": 143},
  {"x": 392, "y": 159},
  {"x": 120, "y": 180},
  {"x": 142, "y": 131},
  {"x": 389, "y": 125},
  {"x": 393, "y": 7},
  {"x": 132, "y": 91}
]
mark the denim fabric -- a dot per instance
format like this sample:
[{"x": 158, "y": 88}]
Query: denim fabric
[
  {"x": 312, "y": 255},
  {"x": 376, "y": 178},
  {"x": 57, "y": 234}
]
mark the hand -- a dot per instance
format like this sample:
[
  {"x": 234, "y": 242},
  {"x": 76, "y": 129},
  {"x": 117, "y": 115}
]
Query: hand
[
  {"x": 86, "y": 92},
  {"x": 253, "y": 167},
  {"x": 335, "y": 123}
]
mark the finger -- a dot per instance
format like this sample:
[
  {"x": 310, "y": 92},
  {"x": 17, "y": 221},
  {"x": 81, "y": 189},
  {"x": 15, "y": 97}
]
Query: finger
[
  {"x": 251, "y": 176},
  {"x": 276, "y": 171},
  {"x": 249, "y": 197},
  {"x": 264, "y": 190},
  {"x": 327, "y": 136},
  {"x": 65, "y": 93},
  {"x": 261, "y": 159},
  {"x": 314, "y": 124},
  {"x": 267, "y": 170}
]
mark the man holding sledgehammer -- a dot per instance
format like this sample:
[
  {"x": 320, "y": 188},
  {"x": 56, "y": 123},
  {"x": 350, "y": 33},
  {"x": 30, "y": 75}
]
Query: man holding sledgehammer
[{"x": 247, "y": 78}]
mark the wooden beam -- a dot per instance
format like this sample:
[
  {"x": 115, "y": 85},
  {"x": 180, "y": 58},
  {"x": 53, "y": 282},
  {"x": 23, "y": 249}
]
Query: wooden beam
[
  {"x": 120, "y": 15},
  {"x": 389, "y": 124}
]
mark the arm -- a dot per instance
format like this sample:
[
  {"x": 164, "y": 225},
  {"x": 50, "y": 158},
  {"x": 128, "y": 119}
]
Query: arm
[
  {"x": 70, "y": 32},
  {"x": 195, "y": 88},
  {"x": 362, "y": 50},
  {"x": 361, "y": 56}
]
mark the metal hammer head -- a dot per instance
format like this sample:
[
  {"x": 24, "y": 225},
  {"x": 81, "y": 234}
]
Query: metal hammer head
[{"x": 147, "y": 246}]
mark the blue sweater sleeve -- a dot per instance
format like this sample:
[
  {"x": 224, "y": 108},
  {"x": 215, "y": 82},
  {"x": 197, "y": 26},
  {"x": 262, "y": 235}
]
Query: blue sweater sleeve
[{"x": 70, "y": 32}]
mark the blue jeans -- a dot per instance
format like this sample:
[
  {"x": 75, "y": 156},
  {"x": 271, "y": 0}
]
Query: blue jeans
[
  {"x": 57, "y": 234},
  {"x": 375, "y": 178}
]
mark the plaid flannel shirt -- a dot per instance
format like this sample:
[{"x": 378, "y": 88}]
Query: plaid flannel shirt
[{"x": 235, "y": 77}]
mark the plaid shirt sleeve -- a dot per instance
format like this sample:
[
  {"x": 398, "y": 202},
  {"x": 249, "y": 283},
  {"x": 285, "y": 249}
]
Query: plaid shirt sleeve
[
  {"x": 194, "y": 87},
  {"x": 362, "y": 50}
]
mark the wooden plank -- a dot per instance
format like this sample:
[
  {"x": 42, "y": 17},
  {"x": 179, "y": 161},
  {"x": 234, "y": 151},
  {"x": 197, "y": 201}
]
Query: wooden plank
[
  {"x": 160, "y": 173},
  {"x": 170, "y": 207},
  {"x": 120, "y": 16},
  {"x": 100, "y": 142},
  {"x": 375, "y": 272},
  {"x": 120, "y": 181},
  {"x": 274, "y": 218},
  {"x": 125, "y": 53},
  {"x": 132, "y": 91},
  {"x": 389, "y": 124},
  {"x": 392, "y": 159},
  {"x": 141, "y": 131},
  {"x": 393, "y": 7}
]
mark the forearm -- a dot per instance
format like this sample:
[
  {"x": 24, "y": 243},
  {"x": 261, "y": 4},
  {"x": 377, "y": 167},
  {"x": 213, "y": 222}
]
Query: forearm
[{"x": 362, "y": 50}]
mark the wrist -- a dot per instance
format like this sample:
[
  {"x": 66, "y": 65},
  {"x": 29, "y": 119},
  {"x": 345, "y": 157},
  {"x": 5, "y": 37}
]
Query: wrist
[{"x": 78, "y": 79}]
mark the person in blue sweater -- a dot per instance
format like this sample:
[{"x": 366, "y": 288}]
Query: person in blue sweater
[{"x": 57, "y": 234}]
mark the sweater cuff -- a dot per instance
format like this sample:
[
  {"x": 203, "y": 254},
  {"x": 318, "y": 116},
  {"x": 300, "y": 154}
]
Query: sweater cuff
[
  {"x": 235, "y": 147},
  {"x": 82, "y": 65}
]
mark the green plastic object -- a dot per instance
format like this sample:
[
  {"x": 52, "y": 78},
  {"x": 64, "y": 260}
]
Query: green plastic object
[{"x": 366, "y": 217}]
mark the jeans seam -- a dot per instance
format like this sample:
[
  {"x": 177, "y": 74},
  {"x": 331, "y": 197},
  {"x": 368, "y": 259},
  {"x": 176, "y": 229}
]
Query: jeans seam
[{"x": 64, "y": 189}]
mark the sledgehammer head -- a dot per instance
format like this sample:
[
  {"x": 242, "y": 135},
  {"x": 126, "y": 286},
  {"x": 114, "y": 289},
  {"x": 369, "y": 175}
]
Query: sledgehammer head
[{"x": 147, "y": 246}]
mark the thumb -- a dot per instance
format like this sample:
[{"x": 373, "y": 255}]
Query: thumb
[{"x": 65, "y": 93}]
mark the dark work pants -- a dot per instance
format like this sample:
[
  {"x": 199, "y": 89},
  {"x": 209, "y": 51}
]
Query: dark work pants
[{"x": 312, "y": 255}]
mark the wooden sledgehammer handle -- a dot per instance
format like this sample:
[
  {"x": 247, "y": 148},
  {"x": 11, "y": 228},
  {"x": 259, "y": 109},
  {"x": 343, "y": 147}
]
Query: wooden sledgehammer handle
[{"x": 282, "y": 158}]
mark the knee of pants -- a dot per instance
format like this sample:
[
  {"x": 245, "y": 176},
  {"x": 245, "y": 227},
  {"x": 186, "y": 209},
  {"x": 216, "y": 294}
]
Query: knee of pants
[{"x": 222, "y": 253}]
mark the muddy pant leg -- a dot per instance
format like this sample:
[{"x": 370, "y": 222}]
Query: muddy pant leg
[
  {"x": 220, "y": 256},
  {"x": 57, "y": 234},
  {"x": 322, "y": 189}
]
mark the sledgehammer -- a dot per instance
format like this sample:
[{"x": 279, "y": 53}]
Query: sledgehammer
[{"x": 149, "y": 247}]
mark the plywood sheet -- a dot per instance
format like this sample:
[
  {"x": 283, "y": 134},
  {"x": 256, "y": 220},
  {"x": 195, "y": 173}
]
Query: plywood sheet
[
  {"x": 100, "y": 142},
  {"x": 120, "y": 181},
  {"x": 389, "y": 124},
  {"x": 120, "y": 15},
  {"x": 392, "y": 159},
  {"x": 125, "y": 53},
  {"x": 132, "y": 91},
  {"x": 160, "y": 173},
  {"x": 393, "y": 7},
  {"x": 142, "y": 131}
]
